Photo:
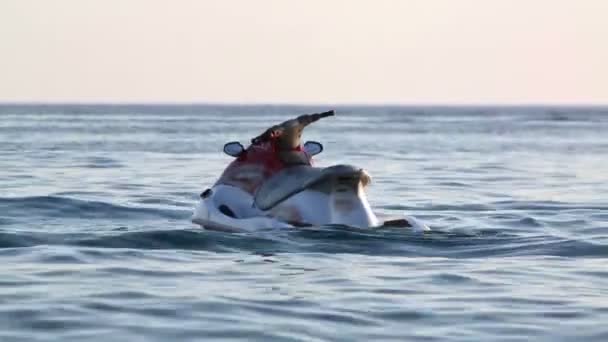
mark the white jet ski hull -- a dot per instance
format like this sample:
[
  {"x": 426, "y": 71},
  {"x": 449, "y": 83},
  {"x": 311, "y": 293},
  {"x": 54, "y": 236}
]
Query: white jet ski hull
[
  {"x": 309, "y": 207},
  {"x": 208, "y": 215}
]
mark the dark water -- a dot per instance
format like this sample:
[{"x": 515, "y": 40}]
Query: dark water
[{"x": 96, "y": 242}]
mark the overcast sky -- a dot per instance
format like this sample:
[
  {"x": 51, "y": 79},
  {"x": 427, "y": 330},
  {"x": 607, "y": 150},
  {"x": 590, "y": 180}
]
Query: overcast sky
[{"x": 313, "y": 51}]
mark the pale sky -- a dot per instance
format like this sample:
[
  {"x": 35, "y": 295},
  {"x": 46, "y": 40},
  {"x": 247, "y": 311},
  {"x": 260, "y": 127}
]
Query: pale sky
[{"x": 313, "y": 51}]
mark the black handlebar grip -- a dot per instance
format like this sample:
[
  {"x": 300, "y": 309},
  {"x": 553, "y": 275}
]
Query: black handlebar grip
[{"x": 302, "y": 121}]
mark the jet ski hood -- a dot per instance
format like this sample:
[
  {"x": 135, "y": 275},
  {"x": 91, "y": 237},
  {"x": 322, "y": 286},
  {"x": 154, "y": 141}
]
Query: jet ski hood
[{"x": 295, "y": 179}]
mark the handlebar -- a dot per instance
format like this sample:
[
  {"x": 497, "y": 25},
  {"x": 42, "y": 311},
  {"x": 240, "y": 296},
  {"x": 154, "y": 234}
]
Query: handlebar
[{"x": 291, "y": 129}]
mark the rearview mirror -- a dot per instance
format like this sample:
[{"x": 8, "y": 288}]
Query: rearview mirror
[
  {"x": 233, "y": 149},
  {"x": 313, "y": 147}
]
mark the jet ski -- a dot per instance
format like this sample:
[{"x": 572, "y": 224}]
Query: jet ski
[{"x": 273, "y": 183}]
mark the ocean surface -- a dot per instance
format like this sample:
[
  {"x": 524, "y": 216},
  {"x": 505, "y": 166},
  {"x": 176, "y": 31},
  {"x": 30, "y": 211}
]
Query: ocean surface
[{"x": 96, "y": 242}]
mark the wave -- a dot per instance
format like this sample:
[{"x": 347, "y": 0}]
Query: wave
[
  {"x": 168, "y": 227},
  {"x": 502, "y": 205},
  {"x": 65, "y": 207},
  {"x": 330, "y": 240}
]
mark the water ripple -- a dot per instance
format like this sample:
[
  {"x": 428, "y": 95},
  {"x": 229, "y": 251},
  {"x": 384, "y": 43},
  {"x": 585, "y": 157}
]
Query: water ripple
[{"x": 96, "y": 242}]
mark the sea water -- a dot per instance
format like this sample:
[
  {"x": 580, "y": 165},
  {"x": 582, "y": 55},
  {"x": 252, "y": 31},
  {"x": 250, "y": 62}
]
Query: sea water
[{"x": 96, "y": 242}]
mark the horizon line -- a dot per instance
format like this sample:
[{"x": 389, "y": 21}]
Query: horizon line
[{"x": 303, "y": 104}]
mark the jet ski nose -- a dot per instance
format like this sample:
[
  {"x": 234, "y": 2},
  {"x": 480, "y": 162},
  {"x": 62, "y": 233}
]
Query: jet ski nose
[
  {"x": 365, "y": 178},
  {"x": 353, "y": 177}
]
